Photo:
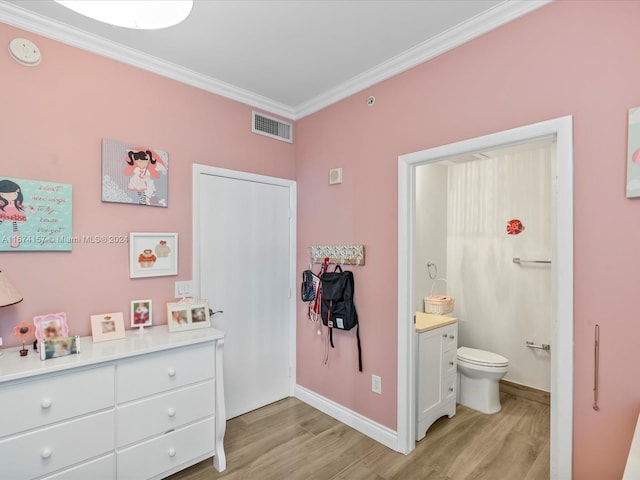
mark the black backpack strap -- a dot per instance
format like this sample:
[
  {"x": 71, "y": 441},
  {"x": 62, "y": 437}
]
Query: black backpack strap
[
  {"x": 359, "y": 349},
  {"x": 329, "y": 324}
]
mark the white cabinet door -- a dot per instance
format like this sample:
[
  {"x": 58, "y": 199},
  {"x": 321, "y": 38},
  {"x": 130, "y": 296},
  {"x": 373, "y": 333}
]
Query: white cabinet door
[{"x": 430, "y": 372}]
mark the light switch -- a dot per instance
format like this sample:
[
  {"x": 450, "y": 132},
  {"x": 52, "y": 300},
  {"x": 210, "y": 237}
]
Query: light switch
[{"x": 184, "y": 289}]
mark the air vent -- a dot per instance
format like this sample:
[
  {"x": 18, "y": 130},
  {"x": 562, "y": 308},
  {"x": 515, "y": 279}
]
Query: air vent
[{"x": 272, "y": 127}]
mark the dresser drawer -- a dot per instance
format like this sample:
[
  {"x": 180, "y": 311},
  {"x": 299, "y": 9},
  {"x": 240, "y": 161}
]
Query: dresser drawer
[
  {"x": 449, "y": 385},
  {"x": 155, "y": 373},
  {"x": 56, "y": 447},
  {"x": 166, "y": 452},
  {"x": 449, "y": 362},
  {"x": 159, "y": 414},
  {"x": 103, "y": 468},
  {"x": 27, "y": 405},
  {"x": 450, "y": 337}
]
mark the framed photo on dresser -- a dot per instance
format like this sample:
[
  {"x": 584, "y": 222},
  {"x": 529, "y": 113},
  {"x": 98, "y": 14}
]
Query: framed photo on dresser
[
  {"x": 188, "y": 315},
  {"x": 107, "y": 326}
]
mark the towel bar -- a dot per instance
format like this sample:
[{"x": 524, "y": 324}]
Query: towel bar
[
  {"x": 519, "y": 261},
  {"x": 544, "y": 346}
]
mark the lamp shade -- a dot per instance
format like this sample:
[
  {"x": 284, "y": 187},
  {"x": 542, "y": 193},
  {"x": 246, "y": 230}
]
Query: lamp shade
[{"x": 8, "y": 293}]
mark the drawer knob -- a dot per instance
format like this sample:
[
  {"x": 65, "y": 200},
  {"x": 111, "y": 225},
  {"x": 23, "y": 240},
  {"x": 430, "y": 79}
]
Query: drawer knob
[
  {"x": 171, "y": 372},
  {"x": 452, "y": 363},
  {"x": 46, "y": 452},
  {"x": 444, "y": 335},
  {"x": 452, "y": 337},
  {"x": 45, "y": 402},
  {"x": 451, "y": 389},
  {"x": 172, "y": 452},
  {"x": 171, "y": 412}
]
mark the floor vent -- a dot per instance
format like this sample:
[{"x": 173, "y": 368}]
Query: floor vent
[{"x": 271, "y": 127}]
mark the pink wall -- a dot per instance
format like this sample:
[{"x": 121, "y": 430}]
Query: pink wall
[
  {"x": 568, "y": 58},
  {"x": 53, "y": 119},
  {"x": 575, "y": 58}
]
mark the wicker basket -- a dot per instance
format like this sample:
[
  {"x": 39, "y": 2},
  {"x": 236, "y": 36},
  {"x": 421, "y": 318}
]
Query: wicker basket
[{"x": 438, "y": 304}]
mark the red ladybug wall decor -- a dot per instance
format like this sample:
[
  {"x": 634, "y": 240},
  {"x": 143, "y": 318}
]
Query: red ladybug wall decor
[{"x": 514, "y": 227}]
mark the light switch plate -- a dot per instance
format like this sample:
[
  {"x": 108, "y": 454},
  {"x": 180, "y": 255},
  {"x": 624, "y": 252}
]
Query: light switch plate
[{"x": 184, "y": 289}]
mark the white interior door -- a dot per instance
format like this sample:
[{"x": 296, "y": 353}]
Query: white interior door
[{"x": 243, "y": 266}]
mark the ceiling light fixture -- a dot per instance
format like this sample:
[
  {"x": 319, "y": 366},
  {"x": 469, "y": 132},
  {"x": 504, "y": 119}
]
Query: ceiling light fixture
[{"x": 139, "y": 14}]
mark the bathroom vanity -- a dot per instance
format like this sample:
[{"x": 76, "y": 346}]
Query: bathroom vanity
[
  {"x": 437, "y": 342},
  {"x": 142, "y": 407}
]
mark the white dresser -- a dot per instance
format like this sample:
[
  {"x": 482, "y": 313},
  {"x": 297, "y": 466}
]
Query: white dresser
[
  {"x": 142, "y": 407},
  {"x": 436, "y": 368}
]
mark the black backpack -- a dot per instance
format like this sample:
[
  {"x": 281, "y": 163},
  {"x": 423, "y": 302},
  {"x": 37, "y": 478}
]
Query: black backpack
[{"x": 337, "y": 308}]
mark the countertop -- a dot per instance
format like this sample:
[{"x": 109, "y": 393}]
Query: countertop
[
  {"x": 429, "y": 321},
  {"x": 154, "y": 339}
]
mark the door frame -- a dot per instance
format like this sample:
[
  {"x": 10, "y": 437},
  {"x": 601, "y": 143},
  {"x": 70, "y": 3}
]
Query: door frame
[
  {"x": 199, "y": 170},
  {"x": 562, "y": 323}
]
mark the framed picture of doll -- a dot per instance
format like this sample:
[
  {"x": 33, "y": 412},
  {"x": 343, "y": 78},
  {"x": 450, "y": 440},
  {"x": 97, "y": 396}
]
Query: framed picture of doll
[
  {"x": 153, "y": 254},
  {"x": 35, "y": 215},
  {"x": 141, "y": 313},
  {"x": 134, "y": 174},
  {"x": 50, "y": 326}
]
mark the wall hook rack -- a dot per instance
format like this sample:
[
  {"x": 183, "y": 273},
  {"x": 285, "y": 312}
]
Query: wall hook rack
[{"x": 338, "y": 254}]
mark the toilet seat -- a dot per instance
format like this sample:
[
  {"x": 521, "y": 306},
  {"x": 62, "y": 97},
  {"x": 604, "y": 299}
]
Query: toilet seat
[{"x": 473, "y": 356}]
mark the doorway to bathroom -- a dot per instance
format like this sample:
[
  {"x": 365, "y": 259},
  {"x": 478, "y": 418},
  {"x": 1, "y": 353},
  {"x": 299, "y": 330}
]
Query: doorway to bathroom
[{"x": 412, "y": 277}]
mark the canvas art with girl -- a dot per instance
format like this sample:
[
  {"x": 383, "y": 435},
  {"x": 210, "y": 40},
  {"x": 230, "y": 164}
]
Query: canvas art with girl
[
  {"x": 134, "y": 174},
  {"x": 12, "y": 208},
  {"x": 35, "y": 215}
]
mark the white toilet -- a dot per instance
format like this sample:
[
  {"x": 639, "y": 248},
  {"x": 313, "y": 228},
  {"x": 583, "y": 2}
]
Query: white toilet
[{"x": 479, "y": 373}]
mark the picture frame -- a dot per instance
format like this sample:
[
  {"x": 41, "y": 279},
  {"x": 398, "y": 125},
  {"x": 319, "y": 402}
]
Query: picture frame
[
  {"x": 50, "y": 326},
  {"x": 134, "y": 174},
  {"x": 107, "y": 326},
  {"x": 633, "y": 153},
  {"x": 42, "y": 215},
  {"x": 188, "y": 315},
  {"x": 153, "y": 254},
  {"x": 141, "y": 313},
  {"x": 59, "y": 347}
]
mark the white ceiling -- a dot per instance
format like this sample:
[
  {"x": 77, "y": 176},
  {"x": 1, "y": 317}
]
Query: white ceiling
[{"x": 288, "y": 57}]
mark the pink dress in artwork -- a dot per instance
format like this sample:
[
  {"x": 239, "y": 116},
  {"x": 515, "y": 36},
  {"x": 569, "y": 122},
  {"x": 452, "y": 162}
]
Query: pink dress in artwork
[
  {"x": 142, "y": 170},
  {"x": 11, "y": 213},
  {"x": 12, "y": 209}
]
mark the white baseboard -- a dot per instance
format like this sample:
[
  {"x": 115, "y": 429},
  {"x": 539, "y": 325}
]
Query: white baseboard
[{"x": 371, "y": 429}]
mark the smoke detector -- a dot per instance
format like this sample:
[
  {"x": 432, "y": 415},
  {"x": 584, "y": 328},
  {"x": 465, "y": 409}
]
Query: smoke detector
[{"x": 25, "y": 52}]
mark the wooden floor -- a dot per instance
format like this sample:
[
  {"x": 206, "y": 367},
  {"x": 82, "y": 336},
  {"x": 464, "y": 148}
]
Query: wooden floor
[{"x": 290, "y": 440}]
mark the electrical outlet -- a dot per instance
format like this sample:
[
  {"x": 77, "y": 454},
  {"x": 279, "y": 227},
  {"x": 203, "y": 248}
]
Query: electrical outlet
[
  {"x": 376, "y": 384},
  {"x": 335, "y": 176}
]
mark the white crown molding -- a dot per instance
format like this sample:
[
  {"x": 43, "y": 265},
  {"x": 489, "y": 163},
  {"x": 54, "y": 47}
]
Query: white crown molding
[
  {"x": 499, "y": 15},
  {"x": 26, "y": 20},
  {"x": 464, "y": 32}
]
